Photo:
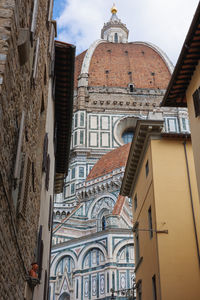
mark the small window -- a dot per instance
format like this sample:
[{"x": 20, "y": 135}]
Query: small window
[
  {"x": 131, "y": 88},
  {"x": 73, "y": 173},
  {"x": 116, "y": 38},
  {"x": 127, "y": 136},
  {"x": 72, "y": 188},
  {"x": 147, "y": 168},
  {"x": 196, "y": 101},
  {"x": 103, "y": 223},
  {"x": 184, "y": 124},
  {"x": 135, "y": 202},
  {"x": 75, "y": 138},
  {"x": 81, "y": 137},
  {"x": 81, "y": 119},
  {"x": 81, "y": 172},
  {"x": 150, "y": 222},
  {"x": 154, "y": 287},
  {"x": 172, "y": 125},
  {"x": 137, "y": 247},
  {"x": 76, "y": 120}
]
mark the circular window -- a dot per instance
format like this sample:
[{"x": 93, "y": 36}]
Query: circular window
[
  {"x": 124, "y": 129},
  {"x": 127, "y": 136}
]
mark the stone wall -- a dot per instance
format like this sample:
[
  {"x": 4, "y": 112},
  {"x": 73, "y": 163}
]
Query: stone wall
[{"x": 23, "y": 87}]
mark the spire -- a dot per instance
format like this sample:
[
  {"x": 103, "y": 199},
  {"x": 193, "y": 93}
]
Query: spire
[{"x": 114, "y": 30}]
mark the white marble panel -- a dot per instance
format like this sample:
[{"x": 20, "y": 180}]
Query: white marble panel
[
  {"x": 93, "y": 122},
  {"x": 105, "y": 123},
  {"x": 105, "y": 139},
  {"x": 93, "y": 136}
]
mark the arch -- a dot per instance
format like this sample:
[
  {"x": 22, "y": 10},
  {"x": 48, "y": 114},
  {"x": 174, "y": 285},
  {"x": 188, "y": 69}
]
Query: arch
[
  {"x": 123, "y": 124},
  {"x": 88, "y": 248},
  {"x": 64, "y": 296},
  {"x": 91, "y": 264},
  {"x": 98, "y": 199},
  {"x": 68, "y": 267},
  {"x": 162, "y": 54},
  {"x": 121, "y": 245},
  {"x": 127, "y": 255},
  {"x": 59, "y": 257}
]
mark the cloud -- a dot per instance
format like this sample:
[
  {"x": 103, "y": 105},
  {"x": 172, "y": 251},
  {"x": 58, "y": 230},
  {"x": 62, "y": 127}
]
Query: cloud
[{"x": 162, "y": 22}]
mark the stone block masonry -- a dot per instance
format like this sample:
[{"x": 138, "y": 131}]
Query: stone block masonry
[{"x": 24, "y": 65}]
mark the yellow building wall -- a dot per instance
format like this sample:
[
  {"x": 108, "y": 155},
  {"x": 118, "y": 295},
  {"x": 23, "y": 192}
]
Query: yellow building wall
[
  {"x": 148, "y": 249},
  {"x": 194, "y": 122},
  {"x": 177, "y": 252}
]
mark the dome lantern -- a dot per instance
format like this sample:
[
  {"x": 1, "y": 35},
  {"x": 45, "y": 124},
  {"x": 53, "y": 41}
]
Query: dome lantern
[{"x": 114, "y": 30}]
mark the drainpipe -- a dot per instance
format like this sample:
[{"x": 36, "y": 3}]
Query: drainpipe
[{"x": 191, "y": 200}]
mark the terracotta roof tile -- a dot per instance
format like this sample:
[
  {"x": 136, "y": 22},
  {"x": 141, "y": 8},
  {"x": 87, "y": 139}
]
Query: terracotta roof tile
[
  {"x": 118, "y": 205},
  {"x": 112, "y": 160}
]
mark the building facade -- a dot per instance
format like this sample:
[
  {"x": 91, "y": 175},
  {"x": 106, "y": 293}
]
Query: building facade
[
  {"x": 28, "y": 110},
  {"x": 183, "y": 89},
  {"x": 161, "y": 180},
  {"x": 116, "y": 83}
]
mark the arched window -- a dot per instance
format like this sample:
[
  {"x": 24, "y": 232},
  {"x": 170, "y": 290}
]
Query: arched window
[
  {"x": 103, "y": 223},
  {"x": 116, "y": 38}
]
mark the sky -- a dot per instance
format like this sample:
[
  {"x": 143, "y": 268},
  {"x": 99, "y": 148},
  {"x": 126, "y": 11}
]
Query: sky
[{"x": 164, "y": 23}]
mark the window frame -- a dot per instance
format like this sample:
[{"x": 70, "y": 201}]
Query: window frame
[{"x": 150, "y": 223}]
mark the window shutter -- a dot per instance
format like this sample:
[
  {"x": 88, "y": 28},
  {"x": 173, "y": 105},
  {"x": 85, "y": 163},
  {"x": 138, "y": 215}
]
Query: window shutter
[
  {"x": 45, "y": 152},
  {"x": 19, "y": 146},
  {"x": 47, "y": 173},
  {"x": 50, "y": 10},
  {"x": 50, "y": 213},
  {"x": 36, "y": 56},
  {"x": 40, "y": 247},
  {"x": 34, "y": 16},
  {"x": 196, "y": 100},
  {"x": 52, "y": 53},
  {"x": 25, "y": 186},
  {"x": 51, "y": 40}
]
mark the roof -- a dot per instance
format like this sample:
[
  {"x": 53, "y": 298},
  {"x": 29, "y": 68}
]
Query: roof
[
  {"x": 64, "y": 87},
  {"x": 118, "y": 64},
  {"x": 118, "y": 205},
  {"x": 107, "y": 163},
  {"x": 185, "y": 67}
]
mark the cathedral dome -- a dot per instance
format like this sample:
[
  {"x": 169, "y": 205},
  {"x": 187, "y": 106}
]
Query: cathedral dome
[
  {"x": 109, "y": 64},
  {"x": 110, "y": 161}
]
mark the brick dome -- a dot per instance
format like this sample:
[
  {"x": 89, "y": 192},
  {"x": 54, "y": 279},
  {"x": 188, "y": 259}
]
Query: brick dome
[
  {"x": 110, "y": 161},
  {"x": 118, "y": 64}
]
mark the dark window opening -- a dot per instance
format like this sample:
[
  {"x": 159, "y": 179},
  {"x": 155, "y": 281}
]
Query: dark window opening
[
  {"x": 196, "y": 100},
  {"x": 154, "y": 287},
  {"x": 103, "y": 223},
  {"x": 147, "y": 168},
  {"x": 135, "y": 202},
  {"x": 131, "y": 88},
  {"x": 127, "y": 136},
  {"x": 137, "y": 248},
  {"x": 116, "y": 38},
  {"x": 150, "y": 222}
]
